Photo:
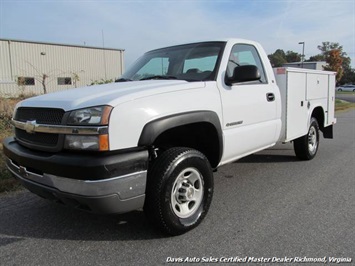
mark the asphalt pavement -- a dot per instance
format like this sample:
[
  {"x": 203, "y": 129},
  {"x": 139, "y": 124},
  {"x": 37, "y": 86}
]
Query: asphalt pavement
[{"x": 267, "y": 207}]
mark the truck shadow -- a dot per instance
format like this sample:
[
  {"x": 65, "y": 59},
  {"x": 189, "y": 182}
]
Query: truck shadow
[
  {"x": 38, "y": 218},
  {"x": 280, "y": 153},
  {"x": 268, "y": 158}
]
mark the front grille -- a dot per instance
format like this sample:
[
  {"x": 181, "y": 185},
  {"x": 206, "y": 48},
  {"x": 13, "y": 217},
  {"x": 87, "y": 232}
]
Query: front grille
[
  {"x": 48, "y": 116},
  {"x": 40, "y": 141}
]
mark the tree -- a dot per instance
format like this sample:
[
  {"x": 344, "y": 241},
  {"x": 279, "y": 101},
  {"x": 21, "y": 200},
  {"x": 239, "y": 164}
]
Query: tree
[
  {"x": 292, "y": 56},
  {"x": 334, "y": 63},
  {"x": 278, "y": 58},
  {"x": 326, "y": 47},
  {"x": 348, "y": 77},
  {"x": 75, "y": 77},
  {"x": 316, "y": 58},
  {"x": 44, "y": 77},
  {"x": 332, "y": 53}
]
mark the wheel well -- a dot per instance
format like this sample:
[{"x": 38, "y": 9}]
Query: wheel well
[
  {"x": 318, "y": 114},
  {"x": 201, "y": 136}
]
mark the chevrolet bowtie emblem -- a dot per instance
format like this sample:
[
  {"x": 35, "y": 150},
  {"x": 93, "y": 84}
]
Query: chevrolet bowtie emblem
[{"x": 30, "y": 126}]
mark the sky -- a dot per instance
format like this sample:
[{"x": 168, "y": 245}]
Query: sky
[{"x": 139, "y": 26}]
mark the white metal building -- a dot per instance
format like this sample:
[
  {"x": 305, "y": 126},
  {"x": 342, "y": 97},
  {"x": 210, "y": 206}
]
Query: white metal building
[
  {"x": 317, "y": 65},
  {"x": 31, "y": 67}
]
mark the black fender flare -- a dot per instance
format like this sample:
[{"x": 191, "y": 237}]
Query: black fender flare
[{"x": 154, "y": 128}]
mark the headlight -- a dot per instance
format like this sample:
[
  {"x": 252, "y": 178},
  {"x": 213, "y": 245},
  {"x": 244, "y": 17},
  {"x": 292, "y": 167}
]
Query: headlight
[
  {"x": 98, "y": 115},
  {"x": 91, "y": 117},
  {"x": 88, "y": 143},
  {"x": 81, "y": 142}
]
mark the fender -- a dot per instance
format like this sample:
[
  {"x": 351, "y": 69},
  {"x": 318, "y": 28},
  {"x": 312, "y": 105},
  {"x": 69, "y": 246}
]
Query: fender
[
  {"x": 154, "y": 128},
  {"x": 326, "y": 130}
]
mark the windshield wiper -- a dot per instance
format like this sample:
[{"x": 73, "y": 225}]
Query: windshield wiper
[
  {"x": 122, "y": 80},
  {"x": 159, "y": 77}
]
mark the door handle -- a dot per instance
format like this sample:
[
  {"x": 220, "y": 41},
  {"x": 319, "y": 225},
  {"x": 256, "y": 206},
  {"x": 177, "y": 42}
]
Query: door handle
[{"x": 270, "y": 97}]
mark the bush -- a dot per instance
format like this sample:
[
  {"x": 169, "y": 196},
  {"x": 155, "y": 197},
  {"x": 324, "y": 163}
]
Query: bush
[
  {"x": 7, "y": 183},
  {"x": 6, "y": 110},
  {"x": 101, "y": 81}
]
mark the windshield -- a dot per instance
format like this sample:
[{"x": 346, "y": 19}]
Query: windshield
[{"x": 191, "y": 62}]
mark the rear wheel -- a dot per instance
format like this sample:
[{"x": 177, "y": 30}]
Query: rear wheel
[
  {"x": 306, "y": 147},
  {"x": 179, "y": 190}
]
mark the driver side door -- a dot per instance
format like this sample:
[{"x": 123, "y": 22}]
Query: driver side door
[{"x": 249, "y": 108}]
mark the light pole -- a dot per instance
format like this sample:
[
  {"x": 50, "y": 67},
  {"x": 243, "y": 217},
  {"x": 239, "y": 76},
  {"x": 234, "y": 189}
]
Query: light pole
[{"x": 302, "y": 59}]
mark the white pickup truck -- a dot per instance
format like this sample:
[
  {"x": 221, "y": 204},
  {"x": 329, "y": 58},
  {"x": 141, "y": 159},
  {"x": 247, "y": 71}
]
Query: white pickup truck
[{"x": 153, "y": 138}]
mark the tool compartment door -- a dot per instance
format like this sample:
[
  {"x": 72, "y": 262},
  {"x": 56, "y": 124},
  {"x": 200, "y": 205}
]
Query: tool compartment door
[{"x": 296, "y": 105}]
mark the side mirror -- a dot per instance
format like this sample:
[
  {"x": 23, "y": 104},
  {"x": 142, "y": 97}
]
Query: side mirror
[{"x": 243, "y": 74}]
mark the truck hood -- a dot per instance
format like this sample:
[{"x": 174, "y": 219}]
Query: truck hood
[{"x": 109, "y": 94}]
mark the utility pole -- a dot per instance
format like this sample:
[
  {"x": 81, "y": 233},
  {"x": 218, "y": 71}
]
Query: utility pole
[{"x": 302, "y": 59}]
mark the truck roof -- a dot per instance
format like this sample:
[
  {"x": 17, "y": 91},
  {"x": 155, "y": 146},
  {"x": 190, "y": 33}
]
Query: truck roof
[{"x": 226, "y": 40}]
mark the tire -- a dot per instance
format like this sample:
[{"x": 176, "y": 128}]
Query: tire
[
  {"x": 179, "y": 190},
  {"x": 306, "y": 147},
  {"x": 340, "y": 90}
]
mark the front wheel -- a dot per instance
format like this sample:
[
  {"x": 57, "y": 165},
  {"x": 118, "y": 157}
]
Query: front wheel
[
  {"x": 306, "y": 147},
  {"x": 179, "y": 190}
]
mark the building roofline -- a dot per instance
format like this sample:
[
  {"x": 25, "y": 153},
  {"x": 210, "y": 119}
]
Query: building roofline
[
  {"x": 62, "y": 44},
  {"x": 306, "y": 62}
]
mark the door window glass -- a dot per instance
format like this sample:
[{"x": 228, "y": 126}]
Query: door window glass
[{"x": 245, "y": 54}]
